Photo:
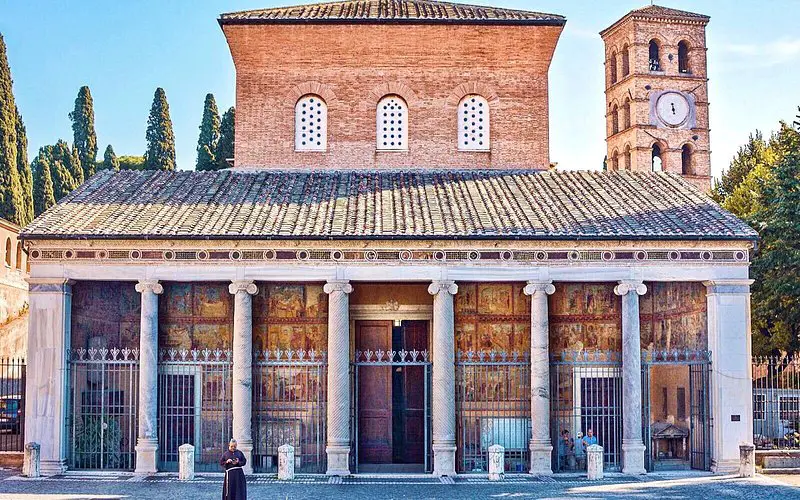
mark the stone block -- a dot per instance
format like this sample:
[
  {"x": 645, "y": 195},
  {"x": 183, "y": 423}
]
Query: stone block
[
  {"x": 594, "y": 462},
  {"x": 497, "y": 461},
  {"x": 286, "y": 462},
  {"x": 186, "y": 462},
  {"x": 786, "y": 461},
  {"x": 747, "y": 460},
  {"x": 30, "y": 463}
]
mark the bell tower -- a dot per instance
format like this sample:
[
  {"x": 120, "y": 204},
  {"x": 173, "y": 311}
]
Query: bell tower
[{"x": 657, "y": 93}]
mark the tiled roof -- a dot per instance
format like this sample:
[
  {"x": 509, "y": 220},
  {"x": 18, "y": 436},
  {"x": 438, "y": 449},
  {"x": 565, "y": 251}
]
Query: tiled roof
[
  {"x": 353, "y": 204},
  {"x": 657, "y": 11},
  {"x": 390, "y": 11}
]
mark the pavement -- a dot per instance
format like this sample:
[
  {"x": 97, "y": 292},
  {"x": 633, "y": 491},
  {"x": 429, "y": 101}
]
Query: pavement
[{"x": 685, "y": 485}]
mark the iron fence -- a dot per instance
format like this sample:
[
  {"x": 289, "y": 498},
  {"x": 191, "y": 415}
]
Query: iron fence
[
  {"x": 194, "y": 405},
  {"x": 776, "y": 402},
  {"x": 493, "y": 406},
  {"x": 585, "y": 393},
  {"x": 289, "y": 407},
  {"x": 104, "y": 395},
  {"x": 12, "y": 404}
]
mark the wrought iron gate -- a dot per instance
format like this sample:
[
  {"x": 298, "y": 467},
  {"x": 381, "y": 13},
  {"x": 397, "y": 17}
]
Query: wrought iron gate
[
  {"x": 393, "y": 360},
  {"x": 493, "y": 406},
  {"x": 585, "y": 393},
  {"x": 289, "y": 407},
  {"x": 104, "y": 395},
  {"x": 194, "y": 405},
  {"x": 697, "y": 365},
  {"x": 12, "y": 404}
]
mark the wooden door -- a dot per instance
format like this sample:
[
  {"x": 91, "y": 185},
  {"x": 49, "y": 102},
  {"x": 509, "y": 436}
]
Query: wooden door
[
  {"x": 374, "y": 395},
  {"x": 415, "y": 337}
]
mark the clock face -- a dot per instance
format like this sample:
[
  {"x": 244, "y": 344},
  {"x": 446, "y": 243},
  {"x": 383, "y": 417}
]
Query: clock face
[{"x": 672, "y": 108}]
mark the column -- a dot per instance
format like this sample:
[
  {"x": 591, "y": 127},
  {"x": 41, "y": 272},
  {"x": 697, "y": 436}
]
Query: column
[
  {"x": 243, "y": 291},
  {"x": 540, "y": 446},
  {"x": 729, "y": 340},
  {"x": 147, "y": 440},
  {"x": 443, "y": 396},
  {"x": 338, "y": 445},
  {"x": 50, "y": 305},
  {"x": 632, "y": 444}
]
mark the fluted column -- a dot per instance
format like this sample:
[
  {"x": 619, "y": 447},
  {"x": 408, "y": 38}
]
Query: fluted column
[
  {"x": 632, "y": 444},
  {"x": 540, "y": 445},
  {"x": 243, "y": 291},
  {"x": 443, "y": 407},
  {"x": 338, "y": 445},
  {"x": 147, "y": 439}
]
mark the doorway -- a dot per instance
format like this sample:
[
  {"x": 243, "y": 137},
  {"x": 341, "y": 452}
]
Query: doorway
[{"x": 392, "y": 373}]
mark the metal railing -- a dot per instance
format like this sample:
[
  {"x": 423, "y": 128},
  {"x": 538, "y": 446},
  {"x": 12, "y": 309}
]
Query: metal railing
[
  {"x": 12, "y": 404},
  {"x": 493, "y": 406},
  {"x": 289, "y": 407},
  {"x": 102, "y": 420},
  {"x": 776, "y": 402}
]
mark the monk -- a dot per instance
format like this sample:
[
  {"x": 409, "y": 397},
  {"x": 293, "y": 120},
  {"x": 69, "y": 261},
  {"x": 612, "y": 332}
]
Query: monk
[{"x": 234, "y": 487}]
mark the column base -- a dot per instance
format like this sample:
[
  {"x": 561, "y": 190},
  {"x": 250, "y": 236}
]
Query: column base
[
  {"x": 725, "y": 466},
  {"x": 633, "y": 458},
  {"x": 444, "y": 460},
  {"x": 146, "y": 456},
  {"x": 338, "y": 460},
  {"x": 246, "y": 447},
  {"x": 541, "y": 458},
  {"x": 52, "y": 467}
]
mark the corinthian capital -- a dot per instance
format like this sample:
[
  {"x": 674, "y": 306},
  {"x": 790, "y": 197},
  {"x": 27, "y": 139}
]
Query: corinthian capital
[
  {"x": 443, "y": 286},
  {"x": 539, "y": 286},
  {"x": 627, "y": 286},
  {"x": 243, "y": 286},
  {"x": 149, "y": 286},
  {"x": 337, "y": 286}
]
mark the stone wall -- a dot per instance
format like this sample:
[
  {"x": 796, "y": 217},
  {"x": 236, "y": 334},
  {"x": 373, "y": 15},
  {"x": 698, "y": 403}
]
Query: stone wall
[{"x": 13, "y": 294}]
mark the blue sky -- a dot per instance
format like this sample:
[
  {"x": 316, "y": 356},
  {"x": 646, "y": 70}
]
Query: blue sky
[{"x": 125, "y": 49}]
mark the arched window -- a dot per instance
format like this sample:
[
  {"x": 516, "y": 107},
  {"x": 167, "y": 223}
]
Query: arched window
[
  {"x": 627, "y": 157},
  {"x": 658, "y": 163},
  {"x": 310, "y": 124},
  {"x": 615, "y": 161},
  {"x": 614, "y": 120},
  {"x": 683, "y": 57},
  {"x": 8, "y": 252},
  {"x": 686, "y": 160},
  {"x": 655, "y": 58},
  {"x": 612, "y": 63},
  {"x": 392, "y": 124},
  {"x": 19, "y": 256},
  {"x": 626, "y": 65},
  {"x": 473, "y": 123},
  {"x": 626, "y": 114}
]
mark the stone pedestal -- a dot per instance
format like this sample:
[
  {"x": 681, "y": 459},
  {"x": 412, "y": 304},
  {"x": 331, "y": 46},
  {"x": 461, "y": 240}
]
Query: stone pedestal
[
  {"x": 747, "y": 460},
  {"x": 443, "y": 401},
  {"x": 147, "y": 439},
  {"x": 540, "y": 446},
  {"x": 30, "y": 461},
  {"x": 497, "y": 462},
  {"x": 243, "y": 291},
  {"x": 286, "y": 462},
  {"x": 186, "y": 462},
  {"x": 338, "y": 438},
  {"x": 632, "y": 445},
  {"x": 594, "y": 462}
]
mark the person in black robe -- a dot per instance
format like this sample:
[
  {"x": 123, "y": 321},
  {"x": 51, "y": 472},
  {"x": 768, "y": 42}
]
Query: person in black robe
[{"x": 234, "y": 487}]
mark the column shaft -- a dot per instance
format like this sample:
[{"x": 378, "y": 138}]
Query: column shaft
[
  {"x": 243, "y": 290},
  {"x": 338, "y": 439},
  {"x": 147, "y": 439}
]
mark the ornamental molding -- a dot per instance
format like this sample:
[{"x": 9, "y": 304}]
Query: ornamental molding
[
  {"x": 243, "y": 286},
  {"x": 438, "y": 287},
  {"x": 626, "y": 287},
  {"x": 337, "y": 286},
  {"x": 534, "y": 287},
  {"x": 149, "y": 286}
]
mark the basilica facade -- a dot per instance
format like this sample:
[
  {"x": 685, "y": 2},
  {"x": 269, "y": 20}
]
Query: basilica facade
[{"x": 391, "y": 277}]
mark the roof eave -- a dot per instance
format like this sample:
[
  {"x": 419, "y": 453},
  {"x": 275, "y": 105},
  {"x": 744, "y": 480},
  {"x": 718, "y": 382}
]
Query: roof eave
[{"x": 471, "y": 22}]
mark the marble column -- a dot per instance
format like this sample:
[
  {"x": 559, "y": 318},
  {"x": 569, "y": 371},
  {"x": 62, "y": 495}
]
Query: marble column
[
  {"x": 443, "y": 396},
  {"x": 50, "y": 306},
  {"x": 243, "y": 291},
  {"x": 147, "y": 439},
  {"x": 632, "y": 444},
  {"x": 540, "y": 446},
  {"x": 338, "y": 445}
]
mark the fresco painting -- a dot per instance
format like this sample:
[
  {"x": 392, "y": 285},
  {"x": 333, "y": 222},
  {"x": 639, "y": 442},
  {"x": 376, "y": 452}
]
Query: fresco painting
[
  {"x": 585, "y": 316},
  {"x": 289, "y": 316},
  {"x": 492, "y": 317},
  {"x": 673, "y": 315},
  {"x": 105, "y": 314},
  {"x": 196, "y": 316}
]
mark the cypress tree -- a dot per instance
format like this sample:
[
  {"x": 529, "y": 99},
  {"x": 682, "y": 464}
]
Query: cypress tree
[
  {"x": 62, "y": 168},
  {"x": 226, "y": 142},
  {"x": 24, "y": 169},
  {"x": 209, "y": 135},
  {"x": 110, "y": 161},
  {"x": 160, "y": 154},
  {"x": 43, "y": 194},
  {"x": 11, "y": 200},
  {"x": 84, "y": 136}
]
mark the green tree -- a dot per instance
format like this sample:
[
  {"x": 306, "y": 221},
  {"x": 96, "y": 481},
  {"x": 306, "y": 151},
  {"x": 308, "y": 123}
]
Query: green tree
[
  {"x": 110, "y": 161},
  {"x": 11, "y": 200},
  {"x": 209, "y": 135},
  {"x": 131, "y": 162},
  {"x": 160, "y": 154},
  {"x": 226, "y": 142},
  {"x": 43, "y": 195},
  {"x": 24, "y": 169},
  {"x": 83, "y": 133},
  {"x": 63, "y": 166},
  {"x": 747, "y": 158}
]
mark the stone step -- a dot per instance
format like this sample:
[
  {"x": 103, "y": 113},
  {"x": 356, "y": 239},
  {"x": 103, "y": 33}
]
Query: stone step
[{"x": 781, "y": 470}]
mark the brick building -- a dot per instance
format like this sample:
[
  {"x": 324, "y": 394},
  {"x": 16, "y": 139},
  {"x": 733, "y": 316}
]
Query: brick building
[{"x": 391, "y": 279}]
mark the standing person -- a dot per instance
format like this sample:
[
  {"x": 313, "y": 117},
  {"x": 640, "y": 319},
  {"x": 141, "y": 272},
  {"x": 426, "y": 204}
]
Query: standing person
[
  {"x": 234, "y": 487},
  {"x": 566, "y": 451},
  {"x": 580, "y": 451},
  {"x": 589, "y": 439}
]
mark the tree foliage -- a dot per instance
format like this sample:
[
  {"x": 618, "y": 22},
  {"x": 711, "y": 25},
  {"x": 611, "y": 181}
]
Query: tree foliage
[
  {"x": 131, "y": 162},
  {"x": 227, "y": 140},
  {"x": 24, "y": 170},
  {"x": 110, "y": 161},
  {"x": 160, "y": 154},
  {"x": 43, "y": 194},
  {"x": 64, "y": 167},
  {"x": 11, "y": 199},
  {"x": 84, "y": 136},
  {"x": 209, "y": 136}
]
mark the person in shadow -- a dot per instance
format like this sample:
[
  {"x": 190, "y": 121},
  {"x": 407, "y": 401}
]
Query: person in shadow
[{"x": 234, "y": 487}]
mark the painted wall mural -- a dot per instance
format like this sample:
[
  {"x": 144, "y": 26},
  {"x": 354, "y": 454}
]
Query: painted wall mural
[
  {"x": 673, "y": 315},
  {"x": 585, "y": 316},
  {"x": 492, "y": 317},
  {"x": 195, "y": 316},
  {"x": 290, "y": 316},
  {"x": 105, "y": 314}
]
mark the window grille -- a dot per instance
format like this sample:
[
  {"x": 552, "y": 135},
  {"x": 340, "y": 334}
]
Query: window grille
[
  {"x": 310, "y": 124},
  {"x": 392, "y": 124},
  {"x": 473, "y": 123}
]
